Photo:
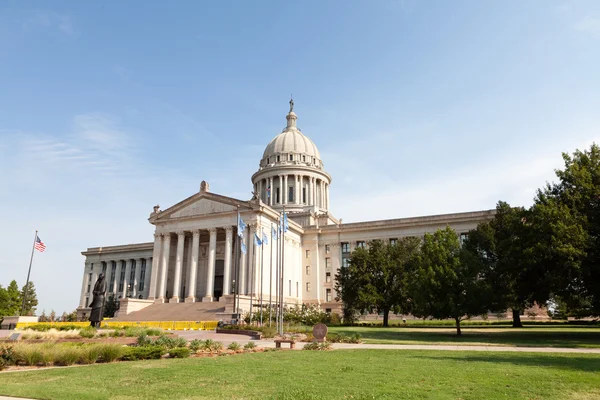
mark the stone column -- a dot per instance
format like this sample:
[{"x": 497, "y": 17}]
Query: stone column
[
  {"x": 271, "y": 190},
  {"x": 178, "y": 264},
  {"x": 310, "y": 190},
  {"x": 227, "y": 261},
  {"x": 86, "y": 277},
  {"x": 327, "y": 196},
  {"x": 260, "y": 191},
  {"x": 138, "y": 273},
  {"x": 126, "y": 281},
  {"x": 210, "y": 272},
  {"x": 251, "y": 250},
  {"x": 285, "y": 189},
  {"x": 154, "y": 277},
  {"x": 280, "y": 189},
  {"x": 164, "y": 266},
  {"x": 117, "y": 278},
  {"x": 314, "y": 192},
  {"x": 192, "y": 272},
  {"x": 298, "y": 197}
]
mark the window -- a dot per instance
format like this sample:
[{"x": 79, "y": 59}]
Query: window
[
  {"x": 303, "y": 195},
  {"x": 308, "y": 286},
  {"x": 290, "y": 288},
  {"x": 308, "y": 270},
  {"x": 104, "y": 267},
  {"x": 278, "y": 158},
  {"x": 87, "y": 303},
  {"x": 327, "y": 262},
  {"x": 267, "y": 160},
  {"x": 142, "y": 276},
  {"x": 132, "y": 272},
  {"x": 360, "y": 244},
  {"x": 327, "y": 277},
  {"x": 393, "y": 241},
  {"x": 290, "y": 194},
  {"x": 345, "y": 247},
  {"x": 304, "y": 158},
  {"x": 122, "y": 277},
  {"x": 345, "y": 262},
  {"x": 327, "y": 294},
  {"x": 291, "y": 157},
  {"x": 463, "y": 237},
  {"x": 328, "y": 310},
  {"x": 307, "y": 253},
  {"x": 297, "y": 290},
  {"x": 90, "y": 277},
  {"x": 277, "y": 201},
  {"x": 327, "y": 249},
  {"x": 88, "y": 289}
]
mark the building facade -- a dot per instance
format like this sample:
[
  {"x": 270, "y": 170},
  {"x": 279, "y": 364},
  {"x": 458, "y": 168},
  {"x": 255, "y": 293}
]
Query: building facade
[{"x": 196, "y": 253}]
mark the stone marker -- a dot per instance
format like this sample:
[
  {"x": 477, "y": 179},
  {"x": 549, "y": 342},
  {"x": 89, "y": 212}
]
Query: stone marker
[
  {"x": 320, "y": 332},
  {"x": 15, "y": 336}
]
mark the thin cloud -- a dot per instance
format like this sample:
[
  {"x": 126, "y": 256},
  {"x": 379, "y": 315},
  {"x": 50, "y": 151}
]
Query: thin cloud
[
  {"x": 49, "y": 19},
  {"x": 590, "y": 24}
]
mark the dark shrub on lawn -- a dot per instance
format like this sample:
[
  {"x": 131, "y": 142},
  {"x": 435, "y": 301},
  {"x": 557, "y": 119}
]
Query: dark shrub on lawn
[
  {"x": 144, "y": 353},
  {"x": 179, "y": 352}
]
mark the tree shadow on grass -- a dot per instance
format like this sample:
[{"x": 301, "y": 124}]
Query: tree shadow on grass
[
  {"x": 566, "y": 362},
  {"x": 515, "y": 337}
]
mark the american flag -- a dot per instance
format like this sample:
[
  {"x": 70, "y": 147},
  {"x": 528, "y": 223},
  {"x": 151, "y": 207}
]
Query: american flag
[{"x": 39, "y": 245}]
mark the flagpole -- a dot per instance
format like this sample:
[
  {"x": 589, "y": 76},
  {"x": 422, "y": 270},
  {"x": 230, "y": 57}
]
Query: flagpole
[
  {"x": 277, "y": 254},
  {"x": 252, "y": 266},
  {"x": 237, "y": 269},
  {"x": 28, "y": 274},
  {"x": 271, "y": 279},
  {"x": 282, "y": 266},
  {"x": 262, "y": 245}
]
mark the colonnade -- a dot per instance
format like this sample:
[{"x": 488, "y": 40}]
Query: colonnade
[
  {"x": 134, "y": 282},
  {"x": 315, "y": 193},
  {"x": 161, "y": 264}
]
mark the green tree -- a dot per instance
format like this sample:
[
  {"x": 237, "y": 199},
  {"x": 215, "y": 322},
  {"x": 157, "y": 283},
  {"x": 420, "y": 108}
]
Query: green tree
[
  {"x": 111, "y": 306},
  {"x": 31, "y": 301},
  {"x": 571, "y": 230},
  {"x": 375, "y": 279},
  {"x": 446, "y": 281},
  {"x": 14, "y": 298},
  {"x": 3, "y": 302}
]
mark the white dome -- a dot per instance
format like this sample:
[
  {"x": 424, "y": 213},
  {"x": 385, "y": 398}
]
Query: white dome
[{"x": 291, "y": 140}]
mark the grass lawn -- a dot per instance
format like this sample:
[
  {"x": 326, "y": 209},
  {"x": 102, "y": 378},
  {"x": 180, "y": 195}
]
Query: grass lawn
[
  {"x": 552, "y": 336},
  {"x": 357, "y": 374}
]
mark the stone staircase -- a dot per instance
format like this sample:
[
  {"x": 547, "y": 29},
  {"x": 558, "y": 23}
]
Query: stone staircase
[{"x": 176, "y": 312}]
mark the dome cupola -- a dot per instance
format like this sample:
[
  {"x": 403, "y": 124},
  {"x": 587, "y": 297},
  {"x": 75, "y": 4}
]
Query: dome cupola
[{"x": 291, "y": 172}]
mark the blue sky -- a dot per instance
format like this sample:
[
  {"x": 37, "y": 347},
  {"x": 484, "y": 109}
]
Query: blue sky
[{"x": 417, "y": 108}]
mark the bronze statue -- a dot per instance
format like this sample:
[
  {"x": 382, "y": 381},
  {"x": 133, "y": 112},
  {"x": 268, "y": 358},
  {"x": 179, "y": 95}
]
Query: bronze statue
[
  {"x": 292, "y": 104},
  {"x": 97, "y": 304}
]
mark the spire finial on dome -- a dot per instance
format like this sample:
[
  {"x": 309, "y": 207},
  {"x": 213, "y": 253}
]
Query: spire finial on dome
[{"x": 291, "y": 117}]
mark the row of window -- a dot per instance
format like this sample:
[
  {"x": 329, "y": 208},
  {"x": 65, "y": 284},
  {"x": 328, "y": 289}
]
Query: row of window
[
  {"x": 291, "y": 158},
  {"x": 121, "y": 282},
  {"x": 327, "y": 292}
]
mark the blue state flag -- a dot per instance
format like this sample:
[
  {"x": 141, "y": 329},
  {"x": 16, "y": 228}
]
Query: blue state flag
[
  {"x": 257, "y": 240},
  {"x": 273, "y": 233},
  {"x": 286, "y": 226},
  {"x": 243, "y": 248},
  {"x": 265, "y": 238},
  {"x": 241, "y": 226}
]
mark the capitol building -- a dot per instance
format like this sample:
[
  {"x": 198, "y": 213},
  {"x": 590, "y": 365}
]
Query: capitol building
[{"x": 194, "y": 261}]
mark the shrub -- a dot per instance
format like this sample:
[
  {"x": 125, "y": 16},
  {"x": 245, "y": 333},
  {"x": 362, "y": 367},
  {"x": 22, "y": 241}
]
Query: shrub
[
  {"x": 7, "y": 355},
  {"x": 89, "y": 354},
  {"x": 143, "y": 353},
  {"x": 179, "y": 342},
  {"x": 66, "y": 355},
  {"x": 179, "y": 352},
  {"x": 196, "y": 345},
  {"x": 235, "y": 346},
  {"x": 165, "y": 341},
  {"x": 88, "y": 332},
  {"x": 143, "y": 340},
  {"x": 250, "y": 346},
  {"x": 32, "y": 354},
  {"x": 153, "y": 331},
  {"x": 211, "y": 345},
  {"x": 325, "y": 346},
  {"x": 311, "y": 346},
  {"x": 110, "y": 352}
]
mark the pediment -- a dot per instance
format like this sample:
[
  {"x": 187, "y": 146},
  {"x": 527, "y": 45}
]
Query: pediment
[{"x": 201, "y": 204}]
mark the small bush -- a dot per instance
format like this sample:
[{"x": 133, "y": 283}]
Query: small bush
[
  {"x": 66, "y": 355},
  {"x": 179, "y": 352},
  {"x": 325, "y": 346},
  {"x": 143, "y": 340},
  {"x": 165, "y": 341},
  {"x": 235, "y": 346},
  {"x": 88, "y": 332},
  {"x": 143, "y": 353},
  {"x": 89, "y": 354},
  {"x": 311, "y": 346},
  {"x": 7, "y": 355},
  {"x": 179, "y": 342},
  {"x": 211, "y": 345},
  {"x": 110, "y": 352},
  {"x": 196, "y": 345},
  {"x": 250, "y": 346},
  {"x": 116, "y": 333}
]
